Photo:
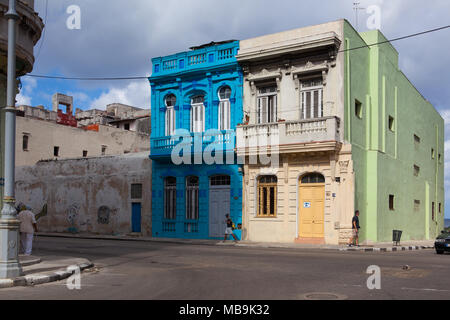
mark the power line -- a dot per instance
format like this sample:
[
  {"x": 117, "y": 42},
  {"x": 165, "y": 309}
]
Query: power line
[
  {"x": 81, "y": 78},
  {"x": 146, "y": 77},
  {"x": 397, "y": 39}
]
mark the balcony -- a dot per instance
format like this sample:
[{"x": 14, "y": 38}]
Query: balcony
[
  {"x": 207, "y": 57},
  {"x": 209, "y": 142},
  {"x": 288, "y": 137}
]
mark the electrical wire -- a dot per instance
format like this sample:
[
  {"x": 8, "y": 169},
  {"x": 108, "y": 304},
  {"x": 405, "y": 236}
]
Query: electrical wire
[{"x": 146, "y": 77}]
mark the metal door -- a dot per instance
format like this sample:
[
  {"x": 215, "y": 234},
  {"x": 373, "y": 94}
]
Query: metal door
[
  {"x": 136, "y": 218},
  {"x": 219, "y": 205}
]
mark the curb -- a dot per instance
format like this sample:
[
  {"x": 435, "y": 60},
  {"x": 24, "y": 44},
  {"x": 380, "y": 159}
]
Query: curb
[
  {"x": 230, "y": 244},
  {"x": 30, "y": 262},
  {"x": 393, "y": 249},
  {"x": 32, "y": 280},
  {"x": 120, "y": 238}
]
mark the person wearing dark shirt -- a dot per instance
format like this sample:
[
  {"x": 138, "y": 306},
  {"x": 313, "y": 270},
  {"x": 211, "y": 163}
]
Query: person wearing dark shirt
[
  {"x": 229, "y": 228},
  {"x": 355, "y": 230}
]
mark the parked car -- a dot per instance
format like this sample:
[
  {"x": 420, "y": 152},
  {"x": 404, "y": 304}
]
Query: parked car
[{"x": 442, "y": 243}]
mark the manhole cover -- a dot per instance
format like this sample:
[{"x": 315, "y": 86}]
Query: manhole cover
[{"x": 323, "y": 296}]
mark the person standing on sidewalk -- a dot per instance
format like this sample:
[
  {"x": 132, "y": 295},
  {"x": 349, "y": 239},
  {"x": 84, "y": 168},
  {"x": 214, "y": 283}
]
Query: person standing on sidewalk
[
  {"x": 355, "y": 230},
  {"x": 28, "y": 227},
  {"x": 229, "y": 228}
]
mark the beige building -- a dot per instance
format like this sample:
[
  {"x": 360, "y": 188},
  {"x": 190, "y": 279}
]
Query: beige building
[
  {"x": 108, "y": 195},
  {"x": 54, "y": 135},
  {"x": 296, "y": 160}
]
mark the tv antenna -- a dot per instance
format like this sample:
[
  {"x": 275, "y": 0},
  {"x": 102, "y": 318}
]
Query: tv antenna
[{"x": 357, "y": 8}]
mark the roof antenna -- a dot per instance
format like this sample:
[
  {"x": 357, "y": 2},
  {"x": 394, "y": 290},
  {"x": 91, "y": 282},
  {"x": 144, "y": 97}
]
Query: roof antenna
[{"x": 357, "y": 8}]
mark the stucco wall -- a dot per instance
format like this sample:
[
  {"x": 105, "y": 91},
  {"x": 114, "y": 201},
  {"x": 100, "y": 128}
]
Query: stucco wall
[
  {"x": 77, "y": 190},
  {"x": 288, "y": 99},
  {"x": 45, "y": 135},
  {"x": 284, "y": 227},
  {"x": 384, "y": 158}
]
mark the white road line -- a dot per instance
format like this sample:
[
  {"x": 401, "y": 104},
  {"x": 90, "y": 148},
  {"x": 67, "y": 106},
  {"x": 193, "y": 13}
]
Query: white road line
[{"x": 432, "y": 290}]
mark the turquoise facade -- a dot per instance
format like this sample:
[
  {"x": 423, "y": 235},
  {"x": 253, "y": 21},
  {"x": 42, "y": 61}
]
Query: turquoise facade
[{"x": 201, "y": 72}]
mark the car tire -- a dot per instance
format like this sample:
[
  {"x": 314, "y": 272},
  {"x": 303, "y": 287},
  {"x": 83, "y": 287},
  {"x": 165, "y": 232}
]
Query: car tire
[{"x": 440, "y": 251}]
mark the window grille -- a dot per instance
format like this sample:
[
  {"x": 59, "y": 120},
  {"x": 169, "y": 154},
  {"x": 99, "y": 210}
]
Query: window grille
[{"x": 170, "y": 198}]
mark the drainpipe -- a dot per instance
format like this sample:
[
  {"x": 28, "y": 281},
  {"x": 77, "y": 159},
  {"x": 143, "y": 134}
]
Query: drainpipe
[{"x": 9, "y": 225}]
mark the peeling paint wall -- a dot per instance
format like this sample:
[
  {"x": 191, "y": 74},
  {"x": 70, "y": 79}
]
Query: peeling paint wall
[
  {"x": 43, "y": 136},
  {"x": 87, "y": 195}
]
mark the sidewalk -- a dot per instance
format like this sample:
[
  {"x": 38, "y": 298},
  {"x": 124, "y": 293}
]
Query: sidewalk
[
  {"x": 379, "y": 247},
  {"x": 39, "y": 270}
]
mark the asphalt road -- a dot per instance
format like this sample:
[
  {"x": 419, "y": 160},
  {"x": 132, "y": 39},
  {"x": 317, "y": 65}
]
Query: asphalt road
[{"x": 151, "y": 270}]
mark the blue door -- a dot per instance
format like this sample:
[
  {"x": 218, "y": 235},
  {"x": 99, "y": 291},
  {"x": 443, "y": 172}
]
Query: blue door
[{"x": 136, "y": 218}]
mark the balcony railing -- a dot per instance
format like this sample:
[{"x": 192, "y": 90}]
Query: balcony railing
[
  {"x": 219, "y": 141},
  {"x": 289, "y": 136},
  {"x": 200, "y": 58}
]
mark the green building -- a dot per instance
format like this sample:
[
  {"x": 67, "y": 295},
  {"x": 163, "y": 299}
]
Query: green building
[{"x": 397, "y": 140}]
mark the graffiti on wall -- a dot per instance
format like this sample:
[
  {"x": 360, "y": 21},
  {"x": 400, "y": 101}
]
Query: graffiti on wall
[
  {"x": 103, "y": 215},
  {"x": 72, "y": 214}
]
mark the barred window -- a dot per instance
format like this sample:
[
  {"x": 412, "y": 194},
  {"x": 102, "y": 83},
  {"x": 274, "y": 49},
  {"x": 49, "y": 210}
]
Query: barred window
[
  {"x": 313, "y": 178},
  {"x": 192, "y": 189},
  {"x": 170, "y": 198},
  {"x": 136, "y": 191},
  {"x": 220, "y": 181},
  {"x": 267, "y": 196}
]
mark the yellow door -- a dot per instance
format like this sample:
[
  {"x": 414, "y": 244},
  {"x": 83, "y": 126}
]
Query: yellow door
[{"x": 312, "y": 210}]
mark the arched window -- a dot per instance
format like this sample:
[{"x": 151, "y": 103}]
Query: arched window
[
  {"x": 224, "y": 108},
  {"x": 198, "y": 114},
  {"x": 267, "y": 196},
  {"x": 170, "y": 102},
  {"x": 313, "y": 178},
  {"x": 192, "y": 187},
  {"x": 170, "y": 198}
]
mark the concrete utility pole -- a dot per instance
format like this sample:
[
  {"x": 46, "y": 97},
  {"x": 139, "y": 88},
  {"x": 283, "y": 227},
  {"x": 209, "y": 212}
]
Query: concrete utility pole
[{"x": 9, "y": 225}]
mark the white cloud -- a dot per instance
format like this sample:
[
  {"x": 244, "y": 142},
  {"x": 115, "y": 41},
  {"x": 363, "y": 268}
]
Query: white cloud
[
  {"x": 136, "y": 94},
  {"x": 23, "y": 100},
  {"x": 26, "y": 93}
]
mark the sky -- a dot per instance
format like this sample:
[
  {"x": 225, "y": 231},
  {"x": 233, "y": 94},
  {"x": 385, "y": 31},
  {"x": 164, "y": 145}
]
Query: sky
[{"x": 118, "y": 38}]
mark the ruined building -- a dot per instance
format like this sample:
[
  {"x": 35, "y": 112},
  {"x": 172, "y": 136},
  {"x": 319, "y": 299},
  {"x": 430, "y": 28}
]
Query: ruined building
[{"x": 57, "y": 134}]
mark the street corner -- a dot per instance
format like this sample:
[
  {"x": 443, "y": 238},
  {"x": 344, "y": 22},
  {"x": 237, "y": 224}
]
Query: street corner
[{"x": 33, "y": 275}]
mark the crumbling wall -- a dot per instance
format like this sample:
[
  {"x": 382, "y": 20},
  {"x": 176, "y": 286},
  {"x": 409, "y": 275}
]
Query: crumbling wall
[{"x": 87, "y": 195}]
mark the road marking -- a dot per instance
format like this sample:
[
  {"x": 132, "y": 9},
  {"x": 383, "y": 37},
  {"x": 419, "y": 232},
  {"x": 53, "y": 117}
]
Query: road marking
[{"x": 432, "y": 290}]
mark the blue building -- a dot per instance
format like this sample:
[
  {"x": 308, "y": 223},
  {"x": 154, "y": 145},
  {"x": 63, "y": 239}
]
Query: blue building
[{"x": 196, "y": 105}]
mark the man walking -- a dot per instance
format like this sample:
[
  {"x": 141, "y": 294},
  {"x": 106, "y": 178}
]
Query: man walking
[
  {"x": 28, "y": 227},
  {"x": 229, "y": 229},
  {"x": 355, "y": 230}
]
